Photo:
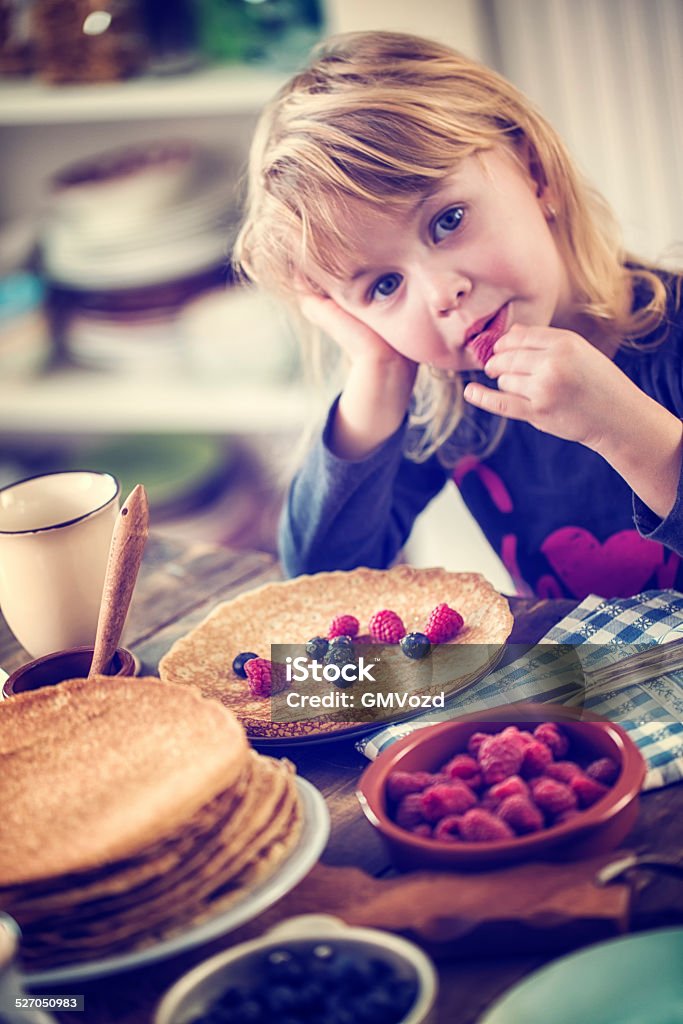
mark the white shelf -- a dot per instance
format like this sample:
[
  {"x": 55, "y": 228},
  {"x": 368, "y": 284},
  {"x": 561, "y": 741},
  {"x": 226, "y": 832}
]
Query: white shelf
[
  {"x": 209, "y": 91},
  {"x": 80, "y": 401}
]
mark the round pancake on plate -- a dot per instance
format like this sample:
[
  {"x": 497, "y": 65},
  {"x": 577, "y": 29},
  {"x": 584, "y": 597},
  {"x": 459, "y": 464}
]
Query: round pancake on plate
[{"x": 293, "y": 611}]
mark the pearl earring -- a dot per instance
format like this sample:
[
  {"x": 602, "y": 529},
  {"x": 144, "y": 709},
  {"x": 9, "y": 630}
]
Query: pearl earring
[{"x": 550, "y": 211}]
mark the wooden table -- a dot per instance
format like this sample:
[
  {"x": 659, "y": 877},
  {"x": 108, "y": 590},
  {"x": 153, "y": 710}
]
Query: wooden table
[{"x": 178, "y": 586}]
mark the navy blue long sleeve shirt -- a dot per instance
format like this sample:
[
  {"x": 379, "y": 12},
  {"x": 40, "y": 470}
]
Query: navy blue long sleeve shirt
[{"x": 564, "y": 522}]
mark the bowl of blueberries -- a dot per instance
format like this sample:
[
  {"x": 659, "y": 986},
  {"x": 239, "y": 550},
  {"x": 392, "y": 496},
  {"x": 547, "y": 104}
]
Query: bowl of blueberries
[{"x": 311, "y": 968}]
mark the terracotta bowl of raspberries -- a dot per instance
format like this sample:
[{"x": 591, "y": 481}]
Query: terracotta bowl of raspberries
[{"x": 532, "y": 782}]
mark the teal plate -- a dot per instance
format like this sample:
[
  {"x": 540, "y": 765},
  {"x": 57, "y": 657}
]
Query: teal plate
[{"x": 634, "y": 980}]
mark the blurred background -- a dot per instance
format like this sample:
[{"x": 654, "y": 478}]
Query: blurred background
[{"x": 124, "y": 127}]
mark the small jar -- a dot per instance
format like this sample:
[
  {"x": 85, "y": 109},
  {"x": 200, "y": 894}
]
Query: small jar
[{"x": 87, "y": 40}]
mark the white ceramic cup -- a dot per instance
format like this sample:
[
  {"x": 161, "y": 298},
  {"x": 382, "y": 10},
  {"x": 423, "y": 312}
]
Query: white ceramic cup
[{"x": 55, "y": 533}]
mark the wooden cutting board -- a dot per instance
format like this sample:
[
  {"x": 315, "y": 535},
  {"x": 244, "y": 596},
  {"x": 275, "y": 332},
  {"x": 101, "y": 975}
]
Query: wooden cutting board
[{"x": 523, "y": 908}]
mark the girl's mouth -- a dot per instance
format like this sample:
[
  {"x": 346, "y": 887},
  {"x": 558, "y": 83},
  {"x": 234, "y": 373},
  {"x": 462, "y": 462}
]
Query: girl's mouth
[{"x": 481, "y": 344}]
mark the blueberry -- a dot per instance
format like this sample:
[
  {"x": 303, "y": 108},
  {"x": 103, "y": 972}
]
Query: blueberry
[
  {"x": 415, "y": 645},
  {"x": 228, "y": 1005},
  {"x": 322, "y": 960},
  {"x": 311, "y": 996},
  {"x": 240, "y": 661},
  {"x": 341, "y": 641},
  {"x": 362, "y": 1013},
  {"x": 381, "y": 970},
  {"x": 405, "y": 994},
  {"x": 224, "y": 1014},
  {"x": 340, "y": 655},
  {"x": 323, "y": 953},
  {"x": 317, "y": 648},
  {"x": 281, "y": 999},
  {"x": 282, "y": 965},
  {"x": 340, "y": 1013},
  {"x": 352, "y": 974},
  {"x": 379, "y": 1004},
  {"x": 250, "y": 1011}
]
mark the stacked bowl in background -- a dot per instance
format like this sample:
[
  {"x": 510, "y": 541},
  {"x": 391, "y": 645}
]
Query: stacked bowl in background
[{"x": 130, "y": 236}]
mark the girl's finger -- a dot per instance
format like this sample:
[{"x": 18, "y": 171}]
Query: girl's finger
[
  {"x": 515, "y": 384},
  {"x": 513, "y": 407},
  {"x": 520, "y": 360},
  {"x": 519, "y": 337}
]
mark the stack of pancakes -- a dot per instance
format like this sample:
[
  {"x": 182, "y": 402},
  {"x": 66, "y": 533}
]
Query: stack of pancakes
[{"x": 131, "y": 808}]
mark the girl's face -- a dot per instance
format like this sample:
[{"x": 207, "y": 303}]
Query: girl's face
[{"x": 477, "y": 254}]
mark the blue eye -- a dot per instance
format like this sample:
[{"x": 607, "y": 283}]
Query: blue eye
[
  {"x": 447, "y": 222},
  {"x": 385, "y": 286}
]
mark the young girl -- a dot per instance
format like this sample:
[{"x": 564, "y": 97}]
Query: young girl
[{"x": 421, "y": 212}]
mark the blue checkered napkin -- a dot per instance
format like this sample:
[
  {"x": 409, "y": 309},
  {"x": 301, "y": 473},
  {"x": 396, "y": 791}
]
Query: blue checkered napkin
[{"x": 597, "y": 632}]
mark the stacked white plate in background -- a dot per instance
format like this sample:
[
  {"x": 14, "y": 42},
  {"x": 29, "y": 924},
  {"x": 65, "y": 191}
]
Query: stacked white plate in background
[{"x": 129, "y": 237}]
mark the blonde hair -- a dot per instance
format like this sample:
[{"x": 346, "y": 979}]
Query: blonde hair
[{"x": 383, "y": 117}]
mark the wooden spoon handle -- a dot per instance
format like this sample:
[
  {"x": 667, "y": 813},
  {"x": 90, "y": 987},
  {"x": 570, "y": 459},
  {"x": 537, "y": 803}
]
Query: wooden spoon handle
[{"x": 125, "y": 554}]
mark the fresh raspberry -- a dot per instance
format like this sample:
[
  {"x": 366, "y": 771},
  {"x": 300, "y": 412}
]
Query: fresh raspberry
[
  {"x": 511, "y": 732},
  {"x": 489, "y": 802},
  {"x": 526, "y": 737},
  {"x": 343, "y": 625},
  {"x": 521, "y": 814},
  {"x": 464, "y": 767},
  {"x": 512, "y": 786},
  {"x": 445, "y": 798},
  {"x": 480, "y": 826},
  {"x": 482, "y": 347},
  {"x": 386, "y": 627},
  {"x": 552, "y": 796},
  {"x": 423, "y": 829},
  {"x": 409, "y": 811},
  {"x": 537, "y": 757},
  {"x": 499, "y": 756},
  {"x": 475, "y": 741},
  {"x": 440, "y": 777},
  {"x": 443, "y": 623},
  {"x": 585, "y": 789},
  {"x": 604, "y": 770},
  {"x": 399, "y": 784},
  {"x": 260, "y": 677},
  {"x": 553, "y": 737},
  {"x": 563, "y": 771},
  {"x": 448, "y": 829}
]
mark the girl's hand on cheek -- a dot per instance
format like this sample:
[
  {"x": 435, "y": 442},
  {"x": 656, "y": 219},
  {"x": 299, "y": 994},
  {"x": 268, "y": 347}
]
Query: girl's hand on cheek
[
  {"x": 356, "y": 339},
  {"x": 379, "y": 384},
  {"x": 556, "y": 381}
]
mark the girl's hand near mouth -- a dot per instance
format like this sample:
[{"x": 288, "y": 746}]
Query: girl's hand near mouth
[
  {"x": 561, "y": 384},
  {"x": 557, "y": 381}
]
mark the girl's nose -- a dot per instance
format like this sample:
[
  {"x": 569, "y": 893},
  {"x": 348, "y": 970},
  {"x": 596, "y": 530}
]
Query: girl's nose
[{"x": 446, "y": 291}]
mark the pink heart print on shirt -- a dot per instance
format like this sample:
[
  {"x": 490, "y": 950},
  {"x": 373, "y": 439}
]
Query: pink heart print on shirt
[{"x": 619, "y": 567}]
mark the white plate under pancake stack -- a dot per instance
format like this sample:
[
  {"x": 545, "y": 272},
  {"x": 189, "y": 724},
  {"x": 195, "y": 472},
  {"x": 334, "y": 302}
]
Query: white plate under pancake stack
[{"x": 130, "y": 236}]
